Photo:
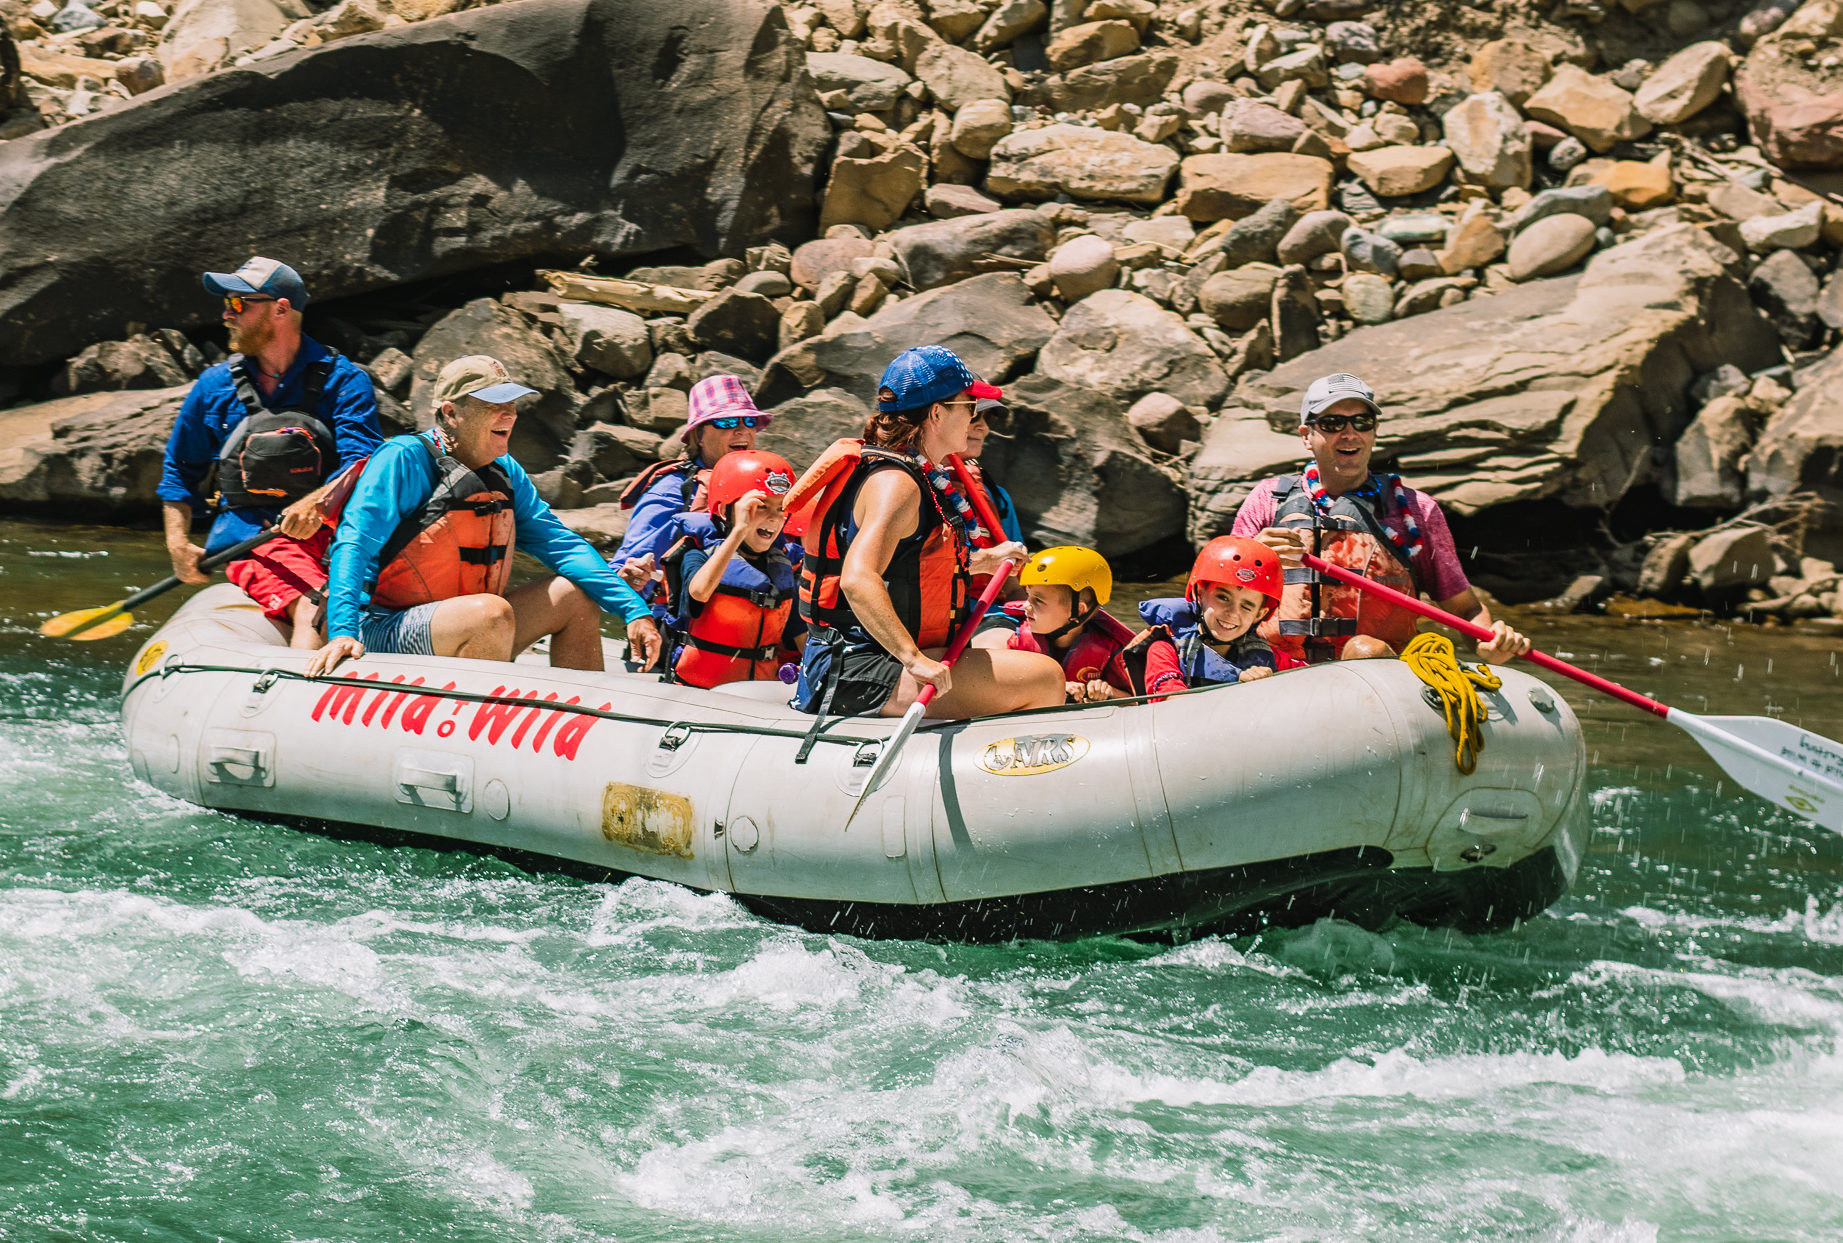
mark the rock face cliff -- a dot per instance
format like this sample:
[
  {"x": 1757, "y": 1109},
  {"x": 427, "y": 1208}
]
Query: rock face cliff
[
  {"x": 1586, "y": 252},
  {"x": 542, "y": 130}
]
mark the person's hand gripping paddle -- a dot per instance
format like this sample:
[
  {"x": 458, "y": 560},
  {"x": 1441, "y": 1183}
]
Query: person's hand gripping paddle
[
  {"x": 111, "y": 619},
  {"x": 1783, "y": 764},
  {"x": 988, "y": 518}
]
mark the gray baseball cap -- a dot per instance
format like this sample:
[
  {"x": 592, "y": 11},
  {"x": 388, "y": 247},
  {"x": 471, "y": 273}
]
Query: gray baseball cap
[{"x": 1328, "y": 390}]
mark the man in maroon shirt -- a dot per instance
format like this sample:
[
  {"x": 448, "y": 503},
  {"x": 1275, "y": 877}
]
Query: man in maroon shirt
[{"x": 1370, "y": 524}]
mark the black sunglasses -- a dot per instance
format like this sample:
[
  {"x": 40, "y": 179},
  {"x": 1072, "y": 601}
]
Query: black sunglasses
[
  {"x": 1332, "y": 424},
  {"x": 234, "y": 303}
]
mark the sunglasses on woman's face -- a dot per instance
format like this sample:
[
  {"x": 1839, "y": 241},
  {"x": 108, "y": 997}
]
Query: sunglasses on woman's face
[
  {"x": 1332, "y": 424},
  {"x": 235, "y": 303},
  {"x": 750, "y": 421}
]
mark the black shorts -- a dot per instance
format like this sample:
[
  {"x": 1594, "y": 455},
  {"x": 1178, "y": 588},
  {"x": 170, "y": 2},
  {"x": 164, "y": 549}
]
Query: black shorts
[{"x": 866, "y": 679}]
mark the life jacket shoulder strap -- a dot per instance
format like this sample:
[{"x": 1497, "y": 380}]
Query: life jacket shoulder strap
[
  {"x": 453, "y": 484},
  {"x": 688, "y": 485}
]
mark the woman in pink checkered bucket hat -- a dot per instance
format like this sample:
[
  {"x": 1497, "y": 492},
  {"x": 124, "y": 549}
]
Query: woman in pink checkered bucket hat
[{"x": 722, "y": 399}]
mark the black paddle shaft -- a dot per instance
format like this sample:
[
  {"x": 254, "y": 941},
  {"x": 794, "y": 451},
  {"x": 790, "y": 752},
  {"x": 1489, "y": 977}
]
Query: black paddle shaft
[{"x": 212, "y": 562}]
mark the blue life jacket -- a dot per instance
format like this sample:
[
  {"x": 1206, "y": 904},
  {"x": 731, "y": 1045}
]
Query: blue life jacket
[{"x": 1201, "y": 663}]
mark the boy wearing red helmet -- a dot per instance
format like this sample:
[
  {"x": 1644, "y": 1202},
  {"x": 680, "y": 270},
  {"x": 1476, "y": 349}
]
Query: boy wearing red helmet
[
  {"x": 1233, "y": 586},
  {"x": 731, "y": 576}
]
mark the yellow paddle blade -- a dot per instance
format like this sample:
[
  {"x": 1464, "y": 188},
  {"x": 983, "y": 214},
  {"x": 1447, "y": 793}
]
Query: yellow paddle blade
[{"x": 63, "y": 624}]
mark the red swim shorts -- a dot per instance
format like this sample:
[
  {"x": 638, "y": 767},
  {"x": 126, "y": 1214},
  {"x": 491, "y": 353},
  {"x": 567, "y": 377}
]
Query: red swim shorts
[{"x": 278, "y": 573}]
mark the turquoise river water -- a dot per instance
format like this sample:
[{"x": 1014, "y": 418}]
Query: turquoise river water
[{"x": 213, "y": 1028}]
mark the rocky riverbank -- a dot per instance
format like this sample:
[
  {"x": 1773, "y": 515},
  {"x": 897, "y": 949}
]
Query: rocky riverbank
[{"x": 1585, "y": 251}]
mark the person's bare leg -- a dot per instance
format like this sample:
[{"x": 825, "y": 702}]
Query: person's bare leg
[
  {"x": 1365, "y": 647},
  {"x": 304, "y": 635},
  {"x": 478, "y": 627},
  {"x": 561, "y": 609},
  {"x": 986, "y": 683}
]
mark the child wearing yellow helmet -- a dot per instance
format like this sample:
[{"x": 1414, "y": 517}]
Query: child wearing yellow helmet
[{"x": 1062, "y": 616}]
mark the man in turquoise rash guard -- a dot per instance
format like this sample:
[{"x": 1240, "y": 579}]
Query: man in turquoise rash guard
[{"x": 425, "y": 542}]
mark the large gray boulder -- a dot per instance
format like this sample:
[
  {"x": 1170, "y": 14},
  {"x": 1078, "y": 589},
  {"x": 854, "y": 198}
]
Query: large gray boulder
[
  {"x": 96, "y": 455},
  {"x": 1079, "y": 474},
  {"x": 990, "y": 321},
  {"x": 532, "y": 132},
  {"x": 1557, "y": 389},
  {"x": 945, "y": 251},
  {"x": 1126, "y": 345}
]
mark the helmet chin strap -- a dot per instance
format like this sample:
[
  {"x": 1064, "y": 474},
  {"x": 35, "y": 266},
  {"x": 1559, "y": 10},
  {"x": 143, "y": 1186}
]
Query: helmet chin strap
[{"x": 1076, "y": 622}]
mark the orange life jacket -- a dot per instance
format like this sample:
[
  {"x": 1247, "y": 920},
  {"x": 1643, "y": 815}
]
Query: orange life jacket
[
  {"x": 457, "y": 543},
  {"x": 926, "y": 578},
  {"x": 1317, "y": 615},
  {"x": 735, "y": 636}
]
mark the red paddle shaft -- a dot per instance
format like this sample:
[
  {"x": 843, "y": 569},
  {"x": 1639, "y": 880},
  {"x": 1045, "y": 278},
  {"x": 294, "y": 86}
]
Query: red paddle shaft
[
  {"x": 982, "y": 504},
  {"x": 1483, "y": 635},
  {"x": 972, "y": 623}
]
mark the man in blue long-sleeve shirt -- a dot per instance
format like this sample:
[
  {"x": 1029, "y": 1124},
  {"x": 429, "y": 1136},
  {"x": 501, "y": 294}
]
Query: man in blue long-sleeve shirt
[
  {"x": 275, "y": 368},
  {"x": 428, "y": 513}
]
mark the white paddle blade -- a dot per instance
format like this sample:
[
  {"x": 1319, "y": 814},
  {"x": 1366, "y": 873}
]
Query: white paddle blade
[
  {"x": 1783, "y": 764},
  {"x": 886, "y": 761}
]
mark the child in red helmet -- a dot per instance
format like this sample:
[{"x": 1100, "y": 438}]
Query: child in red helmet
[
  {"x": 731, "y": 576},
  {"x": 1233, "y": 586}
]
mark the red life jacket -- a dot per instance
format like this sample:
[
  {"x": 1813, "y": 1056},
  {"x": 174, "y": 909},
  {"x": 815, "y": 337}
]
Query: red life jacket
[
  {"x": 735, "y": 636},
  {"x": 1317, "y": 615},
  {"x": 926, "y": 577},
  {"x": 457, "y": 543},
  {"x": 687, "y": 484}
]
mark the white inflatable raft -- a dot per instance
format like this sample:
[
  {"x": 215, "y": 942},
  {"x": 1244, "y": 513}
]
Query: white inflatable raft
[{"x": 1329, "y": 790}]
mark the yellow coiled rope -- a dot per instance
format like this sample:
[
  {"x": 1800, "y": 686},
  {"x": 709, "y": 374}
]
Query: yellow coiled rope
[{"x": 1432, "y": 659}]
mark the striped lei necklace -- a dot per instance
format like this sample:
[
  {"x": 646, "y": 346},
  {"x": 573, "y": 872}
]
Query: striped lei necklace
[
  {"x": 959, "y": 507},
  {"x": 1407, "y": 537}
]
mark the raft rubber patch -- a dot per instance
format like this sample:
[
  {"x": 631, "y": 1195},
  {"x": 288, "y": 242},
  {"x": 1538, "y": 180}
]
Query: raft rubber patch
[
  {"x": 150, "y": 657},
  {"x": 1030, "y": 754},
  {"x": 655, "y": 821}
]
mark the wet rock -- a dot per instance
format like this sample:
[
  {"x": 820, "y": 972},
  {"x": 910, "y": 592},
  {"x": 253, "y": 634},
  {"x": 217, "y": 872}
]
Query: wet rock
[
  {"x": 1092, "y": 164},
  {"x": 1090, "y": 42},
  {"x": 1783, "y": 286},
  {"x": 1126, "y": 345},
  {"x": 874, "y": 191},
  {"x": 1239, "y": 298},
  {"x": 1510, "y": 67},
  {"x": 990, "y": 321},
  {"x": 1595, "y": 203},
  {"x": 957, "y": 77},
  {"x": 1592, "y": 109},
  {"x": 978, "y": 125},
  {"x": 1256, "y": 238},
  {"x": 1489, "y": 139},
  {"x": 871, "y": 85},
  {"x": 1729, "y": 562},
  {"x": 1393, "y": 172},
  {"x": 584, "y": 150},
  {"x": 1544, "y": 367},
  {"x": 1787, "y": 231},
  {"x": 607, "y": 339},
  {"x": 1710, "y": 456},
  {"x": 1163, "y": 421},
  {"x": 1082, "y": 265},
  {"x": 951, "y": 250},
  {"x": 1403, "y": 81},
  {"x": 1215, "y": 187},
  {"x": 1685, "y": 84},
  {"x": 1316, "y": 233},
  {"x": 1553, "y": 244}
]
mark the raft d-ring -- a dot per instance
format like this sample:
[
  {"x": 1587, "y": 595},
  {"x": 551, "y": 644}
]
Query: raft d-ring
[
  {"x": 675, "y": 737},
  {"x": 264, "y": 684},
  {"x": 866, "y": 754}
]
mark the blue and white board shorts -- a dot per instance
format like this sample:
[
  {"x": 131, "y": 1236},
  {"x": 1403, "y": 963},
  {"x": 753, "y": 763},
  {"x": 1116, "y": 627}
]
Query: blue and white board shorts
[{"x": 408, "y": 632}]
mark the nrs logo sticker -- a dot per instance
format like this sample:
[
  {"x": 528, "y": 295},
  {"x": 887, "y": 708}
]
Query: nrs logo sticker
[{"x": 1030, "y": 754}]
